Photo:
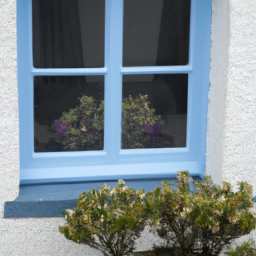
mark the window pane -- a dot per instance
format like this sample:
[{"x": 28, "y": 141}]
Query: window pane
[
  {"x": 154, "y": 111},
  {"x": 68, "y": 33},
  {"x": 156, "y": 32},
  {"x": 68, "y": 113}
]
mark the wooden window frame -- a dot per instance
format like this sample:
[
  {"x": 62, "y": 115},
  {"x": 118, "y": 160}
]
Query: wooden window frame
[{"x": 113, "y": 162}]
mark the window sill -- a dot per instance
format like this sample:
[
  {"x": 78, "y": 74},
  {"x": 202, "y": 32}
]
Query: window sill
[{"x": 49, "y": 200}]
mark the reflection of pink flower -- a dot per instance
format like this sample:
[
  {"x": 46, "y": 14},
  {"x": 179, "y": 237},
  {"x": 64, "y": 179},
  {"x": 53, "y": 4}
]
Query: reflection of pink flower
[
  {"x": 153, "y": 129},
  {"x": 61, "y": 128}
]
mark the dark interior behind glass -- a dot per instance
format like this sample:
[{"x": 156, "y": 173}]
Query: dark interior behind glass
[
  {"x": 156, "y": 32},
  {"x": 68, "y": 113},
  {"x": 68, "y": 33},
  {"x": 160, "y": 121}
]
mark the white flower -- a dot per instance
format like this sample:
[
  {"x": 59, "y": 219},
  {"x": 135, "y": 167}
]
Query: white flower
[
  {"x": 234, "y": 221},
  {"x": 183, "y": 214},
  {"x": 121, "y": 182},
  {"x": 113, "y": 191},
  {"x": 211, "y": 219},
  {"x": 102, "y": 218},
  {"x": 215, "y": 228},
  {"x": 99, "y": 207},
  {"x": 125, "y": 189},
  {"x": 70, "y": 212},
  {"x": 106, "y": 187},
  {"x": 186, "y": 180},
  {"x": 118, "y": 212},
  {"x": 188, "y": 210},
  {"x": 221, "y": 199},
  {"x": 105, "y": 205},
  {"x": 179, "y": 175},
  {"x": 141, "y": 196}
]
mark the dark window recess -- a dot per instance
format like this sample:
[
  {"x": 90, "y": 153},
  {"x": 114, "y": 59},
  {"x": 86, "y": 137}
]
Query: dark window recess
[
  {"x": 157, "y": 35},
  {"x": 68, "y": 33}
]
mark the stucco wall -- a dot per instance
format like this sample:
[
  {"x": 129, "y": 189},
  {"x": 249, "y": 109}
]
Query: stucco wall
[{"x": 231, "y": 130}]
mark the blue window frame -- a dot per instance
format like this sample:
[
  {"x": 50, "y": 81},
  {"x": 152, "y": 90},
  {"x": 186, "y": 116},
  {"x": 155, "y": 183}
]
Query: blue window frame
[{"x": 114, "y": 162}]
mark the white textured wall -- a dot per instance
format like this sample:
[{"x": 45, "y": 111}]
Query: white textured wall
[
  {"x": 218, "y": 89},
  {"x": 231, "y": 132},
  {"x": 240, "y": 136},
  {"x": 231, "y": 129}
]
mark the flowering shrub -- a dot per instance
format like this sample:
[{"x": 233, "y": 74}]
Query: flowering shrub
[
  {"x": 107, "y": 220},
  {"x": 82, "y": 128},
  {"x": 201, "y": 223}
]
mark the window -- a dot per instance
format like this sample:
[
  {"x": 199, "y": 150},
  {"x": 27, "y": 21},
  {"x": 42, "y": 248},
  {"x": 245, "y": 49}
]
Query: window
[{"x": 112, "y": 89}]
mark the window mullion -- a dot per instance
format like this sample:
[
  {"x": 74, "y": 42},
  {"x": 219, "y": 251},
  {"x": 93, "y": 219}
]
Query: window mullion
[{"x": 113, "y": 79}]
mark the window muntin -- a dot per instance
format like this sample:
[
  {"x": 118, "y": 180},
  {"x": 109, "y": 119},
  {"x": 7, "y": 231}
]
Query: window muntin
[{"x": 113, "y": 162}]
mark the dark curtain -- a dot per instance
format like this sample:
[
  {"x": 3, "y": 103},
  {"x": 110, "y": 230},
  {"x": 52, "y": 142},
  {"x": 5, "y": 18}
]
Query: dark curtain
[
  {"x": 57, "y": 43},
  {"x": 173, "y": 44},
  {"x": 173, "y": 47},
  {"x": 57, "y": 34}
]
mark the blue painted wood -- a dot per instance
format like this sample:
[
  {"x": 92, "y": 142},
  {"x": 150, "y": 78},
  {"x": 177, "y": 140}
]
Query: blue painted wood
[
  {"x": 69, "y": 71},
  {"x": 112, "y": 172},
  {"x": 157, "y": 70},
  {"x": 51, "y": 199},
  {"x": 112, "y": 161}
]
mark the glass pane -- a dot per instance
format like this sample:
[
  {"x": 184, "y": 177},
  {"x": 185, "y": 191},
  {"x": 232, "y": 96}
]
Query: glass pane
[
  {"x": 68, "y": 113},
  {"x": 156, "y": 32},
  {"x": 68, "y": 33},
  {"x": 154, "y": 111}
]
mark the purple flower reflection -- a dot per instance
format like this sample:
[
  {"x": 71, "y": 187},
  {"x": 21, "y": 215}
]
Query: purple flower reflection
[
  {"x": 153, "y": 129},
  {"x": 61, "y": 128}
]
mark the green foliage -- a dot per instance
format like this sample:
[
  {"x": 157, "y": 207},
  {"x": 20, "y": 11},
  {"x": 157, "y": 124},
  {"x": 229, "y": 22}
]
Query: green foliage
[
  {"x": 85, "y": 124},
  {"x": 246, "y": 249},
  {"x": 107, "y": 220},
  {"x": 135, "y": 113},
  {"x": 200, "y": 223}
]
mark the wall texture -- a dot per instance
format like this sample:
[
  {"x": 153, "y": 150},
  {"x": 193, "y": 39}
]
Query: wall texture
[
  {"x": 218, "y": 89},
  {"x": 231, "y": 132}
]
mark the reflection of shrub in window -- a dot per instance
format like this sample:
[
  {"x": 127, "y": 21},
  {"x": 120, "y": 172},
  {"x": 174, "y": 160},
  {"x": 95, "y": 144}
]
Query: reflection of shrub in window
[{"x": 82, "y": 128}]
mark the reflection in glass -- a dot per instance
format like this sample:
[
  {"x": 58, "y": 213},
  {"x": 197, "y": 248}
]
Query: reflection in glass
[
  {"x": 156, "y": 32},
  {"x": 68, "y": 33},
  {"x": 68, "y": 113},
  {"x": 154, "y": 111}
]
